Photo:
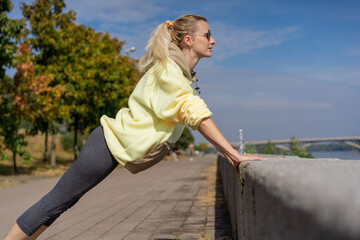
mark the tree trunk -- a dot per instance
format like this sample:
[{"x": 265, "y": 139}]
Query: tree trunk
[
  {"x": 14, "y": 160},
  {"x": 46, "y": 145},
  {"x": 76, "y": 147},
  {"x": 15, "y": 152},
  {"x": 53, "y": 148}
]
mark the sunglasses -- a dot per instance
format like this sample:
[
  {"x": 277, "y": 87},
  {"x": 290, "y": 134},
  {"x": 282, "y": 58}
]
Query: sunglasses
[{"x": 207, "y": 35}]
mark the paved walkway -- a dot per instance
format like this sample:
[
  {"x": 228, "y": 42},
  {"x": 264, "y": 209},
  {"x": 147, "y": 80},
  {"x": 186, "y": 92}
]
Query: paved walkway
[{"x": 168, "y": 201}]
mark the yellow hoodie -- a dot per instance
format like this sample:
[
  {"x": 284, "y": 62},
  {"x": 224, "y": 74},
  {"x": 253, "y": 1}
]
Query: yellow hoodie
[{"x": 159, "y": 107}]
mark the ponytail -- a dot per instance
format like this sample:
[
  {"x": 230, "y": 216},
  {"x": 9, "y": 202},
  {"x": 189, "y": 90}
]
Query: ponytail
[{"x": 157, "y": 48}]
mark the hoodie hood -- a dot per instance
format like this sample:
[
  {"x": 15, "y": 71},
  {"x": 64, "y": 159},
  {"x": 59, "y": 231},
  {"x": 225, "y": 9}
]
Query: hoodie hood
[{"x": 178, "y": 57}]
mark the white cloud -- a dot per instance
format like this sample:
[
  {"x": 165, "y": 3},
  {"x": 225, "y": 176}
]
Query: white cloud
[
  {"x": 133, "y": 36},
  {"x": 345, "y": 74},
  {"x": 255, "y": 90},
  {"x": 133, "y": 20},
  {"x": 129, "y": 20},
  {"x": 232, "y": 40},
  {"x": 269, "y": 104},
  {"x": 119, "y": 11},
  {"x": 353, "y": 51}
]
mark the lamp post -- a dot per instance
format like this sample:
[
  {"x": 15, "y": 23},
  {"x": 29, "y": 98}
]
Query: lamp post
[
  {"x": 241, "y": 142},
  {"x": 127, "y": 51}
]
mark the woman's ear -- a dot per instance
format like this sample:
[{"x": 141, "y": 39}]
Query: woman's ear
[{"x": 188, "y": 40}]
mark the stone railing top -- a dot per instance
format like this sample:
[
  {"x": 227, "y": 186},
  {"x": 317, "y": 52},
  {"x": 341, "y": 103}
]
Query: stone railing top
[{"x": 328, "y": 189}]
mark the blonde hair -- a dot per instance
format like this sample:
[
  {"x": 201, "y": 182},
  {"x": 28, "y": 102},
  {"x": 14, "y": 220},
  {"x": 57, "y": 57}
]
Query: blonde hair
[{"x": 157, "y": 48}]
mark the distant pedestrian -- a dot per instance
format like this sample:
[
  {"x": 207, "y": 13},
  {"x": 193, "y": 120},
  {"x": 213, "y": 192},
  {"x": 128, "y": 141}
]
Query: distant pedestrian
[
  {"x": 162, "y": 103},
  {"x": 191, "y": 151},
  {"x": 174, "y": 153}
]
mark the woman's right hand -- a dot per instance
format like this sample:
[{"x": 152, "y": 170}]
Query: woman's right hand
[
  {"x": 236, "y": 158},
  {"x": 210, "y": 131}
]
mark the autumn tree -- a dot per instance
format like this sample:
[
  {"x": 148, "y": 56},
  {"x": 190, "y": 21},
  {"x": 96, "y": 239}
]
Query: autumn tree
[
  {"x": 15, "y": 101},
  {"x": 97, "y": 80},
  {"x": 9, "y": 101},
  {"x": 45, "y": 18},
  {"x": 45, "y": 107}
]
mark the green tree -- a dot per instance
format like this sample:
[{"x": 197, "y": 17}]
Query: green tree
[
  {"x": 97, "y": 80},
  {"x": 297, "y": 150},
  {"x": 269, "y": 149},
  {"x": 45, "y": 18},
  {"x": 185, "y": 139},
  {"x": 250, "y": 149},
  {"x": 11, "y": 107},
  {"x": 15, "y": 105},
  {"x": 9, "y": 35},
  {"x": 45, "y": 108},
  {"x": 202, "y": 147}
]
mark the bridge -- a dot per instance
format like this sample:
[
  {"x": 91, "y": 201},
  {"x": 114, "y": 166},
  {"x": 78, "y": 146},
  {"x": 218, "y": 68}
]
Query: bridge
[{"x": 304, "y": 142}]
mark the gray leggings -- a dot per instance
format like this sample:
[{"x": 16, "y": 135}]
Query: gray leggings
[{"x": 94, "y": 163}]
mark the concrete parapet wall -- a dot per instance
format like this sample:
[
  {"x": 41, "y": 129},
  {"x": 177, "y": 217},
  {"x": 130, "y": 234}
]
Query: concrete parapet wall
[{"x": 293, "y": 198}]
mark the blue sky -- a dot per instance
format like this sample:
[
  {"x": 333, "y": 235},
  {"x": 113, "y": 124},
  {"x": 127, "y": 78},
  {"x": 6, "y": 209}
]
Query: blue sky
[{"x": 279, "y": 68}]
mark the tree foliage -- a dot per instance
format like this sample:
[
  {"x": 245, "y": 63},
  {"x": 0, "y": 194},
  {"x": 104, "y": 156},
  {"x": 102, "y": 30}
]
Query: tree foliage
[
  {"x": 185, "y": 139},
  {"x": 9, "y": 34},
  {"x": 250, "y": 149},
  {"x": 269, "y": 149},
  {"x": 97, "y": 80},
  {"x": 297, "y": 150},
  {"x": 65, "y": 72},
  {"x": 24, "y": 97},
  {"x": 15, "y": 105},
  {"x": 202, "y": 147},
  {"x": 11, "y": 104}
]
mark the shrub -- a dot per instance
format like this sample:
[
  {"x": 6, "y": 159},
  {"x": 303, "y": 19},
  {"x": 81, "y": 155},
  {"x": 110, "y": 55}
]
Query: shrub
[{"x": 67, "y": 141}]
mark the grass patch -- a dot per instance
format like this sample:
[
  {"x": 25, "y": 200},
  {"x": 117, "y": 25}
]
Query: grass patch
[
  {"x": 38, "y": 168},
  {"x": 36, "y": 146},
  {"x": 208, "y": 197}
]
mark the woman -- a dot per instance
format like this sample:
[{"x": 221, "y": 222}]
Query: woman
[{"x": 141, "y": 135}]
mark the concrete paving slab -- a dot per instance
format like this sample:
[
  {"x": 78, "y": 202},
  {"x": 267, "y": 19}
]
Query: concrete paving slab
[{"x": 160, "y": 203}]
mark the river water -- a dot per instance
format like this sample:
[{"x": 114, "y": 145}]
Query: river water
[{"x": 345, "y": 155}]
